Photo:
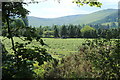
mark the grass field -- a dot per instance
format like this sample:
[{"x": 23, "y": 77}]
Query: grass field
[
  {"x": 57, "y": 47},
  {"x": 62, "y": 47}
]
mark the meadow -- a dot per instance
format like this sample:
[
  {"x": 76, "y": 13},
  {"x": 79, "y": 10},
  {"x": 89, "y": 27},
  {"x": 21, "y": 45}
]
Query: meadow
[
  {"x": 62, "y": 47},
  {"x": 57, "y": 47}
]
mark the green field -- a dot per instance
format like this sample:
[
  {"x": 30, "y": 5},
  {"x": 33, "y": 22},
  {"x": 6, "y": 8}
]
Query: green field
[
  {"x": 62, "y": 47},
  {"x": 57, "y": 47}
]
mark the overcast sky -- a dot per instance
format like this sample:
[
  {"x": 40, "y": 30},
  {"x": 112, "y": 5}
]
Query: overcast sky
[{"x": 53, "y": 9}]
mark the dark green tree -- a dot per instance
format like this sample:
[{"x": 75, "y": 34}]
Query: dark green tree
[
  {"x": 63, "y": 32},
  {"x": 71, "y": 31},
  {"x": 95, "y": 35},
  {"x": 78, "y": 32},
  {"x": 56, "y": 32},
  {"x": 108, "y": 34}
]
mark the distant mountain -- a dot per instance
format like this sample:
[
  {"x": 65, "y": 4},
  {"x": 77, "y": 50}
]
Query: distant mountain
[
  {"x": 102, "y": 16},
  {"x": 35, "y": 21}
]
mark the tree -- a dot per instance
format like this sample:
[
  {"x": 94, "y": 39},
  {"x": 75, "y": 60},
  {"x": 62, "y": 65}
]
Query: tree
[
  {"x": 25, "y": 20},
  {"x": 20, "y": 63},
  {"x": 17, "y": 27},
  {"x": 78, "y": 33},
  {"x": 56, "y": 33},
  {"x": 71, "y": 31},
  {"x": 40, "y": 31},
  {"x": 48, "y": 34},
  {"x": 86, "y": 31},
  {"x": 63, "y": 32},
  {"x": 103, "y": 33},
  {"x": 99, "y": 32},
  {"x": 108, "y": 34},
  {"x": 95, "y": 35}
]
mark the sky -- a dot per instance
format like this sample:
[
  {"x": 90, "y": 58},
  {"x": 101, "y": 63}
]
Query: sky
[{"x": 53, "y": 9}]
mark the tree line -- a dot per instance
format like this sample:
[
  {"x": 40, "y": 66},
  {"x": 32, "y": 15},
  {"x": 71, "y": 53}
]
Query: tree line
[{"x": 77, "y": 31}]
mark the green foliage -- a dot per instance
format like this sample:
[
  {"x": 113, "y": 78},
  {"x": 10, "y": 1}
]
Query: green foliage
[
  {"x": 87, "y": 28},
  {"x": 88, "y": 32},
  {"x": 104, "y": 56},
  {"x": 89, "y": 2},
  {"x": 63, "y": 31},
  {"x": 56, "y": 32},
  {"x": 71, "y": 31},
  {"x": 22, "y": 61},
  {"x": 75, "y": 31},
  {"x": 25, "y": 20},
  {"x": 12, "y": 9},
  {"x": 19, "y": 63},
  {"x": 48, "y": 33},
  {"x": 18, "y": 23},
  {"x": 17, "y": 27},
  {"x": 72, "y": 66},
  {"x": 40, "y": 31}
]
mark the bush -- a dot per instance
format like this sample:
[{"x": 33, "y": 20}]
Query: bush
[
  {"x": 104, "y": 56},
  {"x": 72, "y": 66}
]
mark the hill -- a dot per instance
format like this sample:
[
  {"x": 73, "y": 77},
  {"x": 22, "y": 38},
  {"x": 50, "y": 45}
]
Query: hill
[
  {"x": 99, "y": 17},
  {"x": 35, "y": 21}
]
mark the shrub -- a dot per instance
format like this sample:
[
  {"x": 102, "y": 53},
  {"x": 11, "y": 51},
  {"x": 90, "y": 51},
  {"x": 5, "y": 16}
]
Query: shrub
[
  {"x": 72, "y": 66},
  {"x": 104, "y": 56}
]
